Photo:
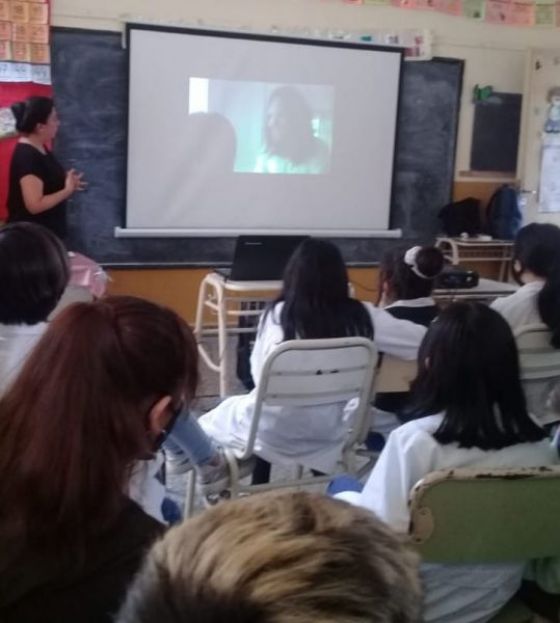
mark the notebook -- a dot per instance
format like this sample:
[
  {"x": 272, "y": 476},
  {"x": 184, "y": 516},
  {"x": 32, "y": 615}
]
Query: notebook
[{"x": 261, "y": 258}]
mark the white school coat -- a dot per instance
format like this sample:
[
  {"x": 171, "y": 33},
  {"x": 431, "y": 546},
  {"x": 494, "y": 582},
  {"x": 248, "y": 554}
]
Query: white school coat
[
  {"x": 312, "y": 435},
  {"x": 452, "y": 593},
  {"x": 521, "y": 309},
  {"x": 16, "y": 342}
]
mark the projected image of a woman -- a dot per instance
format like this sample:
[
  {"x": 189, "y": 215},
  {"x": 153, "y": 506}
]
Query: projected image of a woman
[{"x": 289, "y": 142}]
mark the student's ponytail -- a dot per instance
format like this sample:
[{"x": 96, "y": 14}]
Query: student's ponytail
[{"x": 549, "y": 303}]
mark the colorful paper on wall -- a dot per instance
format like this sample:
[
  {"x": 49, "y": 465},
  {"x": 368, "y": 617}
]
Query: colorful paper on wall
[
  {"x": 545, "y": 13},
  {"x": 498, "y": 11},
  {"x": 508, "y": 12},
  {"x": 549, "y": 191},
  {"x": 522, "y": 13},
  {"x": 24, "y": 41},
  {"x": 473, "y": 9}
]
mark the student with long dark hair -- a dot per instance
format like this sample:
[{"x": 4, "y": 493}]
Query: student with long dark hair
[
  {"x": 470, "y": 412},
  {"x": 34, "y": 273},
  {"x": 39, "y": 185},
  {"x": 536, "y": 267},
  {"x": 96, "y": 396},
  {"x": 314, "y": 303}
]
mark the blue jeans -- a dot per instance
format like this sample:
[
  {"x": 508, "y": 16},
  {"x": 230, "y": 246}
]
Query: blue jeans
[
  {"x": 344, "y": 483},
  {"x": 188, "y": 437}
]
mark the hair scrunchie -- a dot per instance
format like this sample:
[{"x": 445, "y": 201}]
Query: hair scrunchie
[{"x": 410, "y": 259}]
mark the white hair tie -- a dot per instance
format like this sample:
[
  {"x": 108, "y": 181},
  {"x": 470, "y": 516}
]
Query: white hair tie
[{"x": 410, "y": 259}]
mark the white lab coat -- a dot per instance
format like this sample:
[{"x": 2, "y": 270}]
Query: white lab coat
[
  {"x": 16, "y": 342},
  {"x": 312, "y": 436},
  {"x": 452, "y": 593},
  {"x": 521, "y": 309}
]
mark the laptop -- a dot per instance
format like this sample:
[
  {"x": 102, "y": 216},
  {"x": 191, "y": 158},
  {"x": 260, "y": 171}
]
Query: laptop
[{"x": 261, "y": 258}]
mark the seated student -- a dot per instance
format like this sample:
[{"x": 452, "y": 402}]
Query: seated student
[
  {"x": 406, "y": 283},
  {"x": 472, "y": 413},
  {"x": 536, "y": 265},
  {"x": 95, "y": 396},
  {"x": 34, "y": 274},
  {"x": 277, "y": 558},
  {"x": 314, "y": 303}
]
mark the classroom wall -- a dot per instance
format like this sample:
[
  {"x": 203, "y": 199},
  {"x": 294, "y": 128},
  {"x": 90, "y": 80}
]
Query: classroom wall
[{"x": 494, "y": 55}]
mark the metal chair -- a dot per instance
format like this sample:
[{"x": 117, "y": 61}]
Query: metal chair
[
  {"x": 303, "y": 373},
  {"x": 540, "y": 371},
  {"x": 465, "y": 516}
]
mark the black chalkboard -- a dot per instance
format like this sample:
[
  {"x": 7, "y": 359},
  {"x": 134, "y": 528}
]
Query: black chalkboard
[
  {"x": 90, "y": 78},
  {"x": 495, "y": 137}
]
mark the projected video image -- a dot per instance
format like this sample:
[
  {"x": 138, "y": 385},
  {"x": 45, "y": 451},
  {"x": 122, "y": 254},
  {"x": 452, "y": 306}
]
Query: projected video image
[{"x": 272, "y": 128}]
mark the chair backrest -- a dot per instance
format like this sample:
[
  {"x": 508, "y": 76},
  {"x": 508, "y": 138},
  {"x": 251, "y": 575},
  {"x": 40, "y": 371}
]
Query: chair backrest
[
  {"x": 538, "y": 359},
  {"x": 302, "y": 373},
  {"x": 395, "y": 375},
  {"x": 486, "y": 515}
]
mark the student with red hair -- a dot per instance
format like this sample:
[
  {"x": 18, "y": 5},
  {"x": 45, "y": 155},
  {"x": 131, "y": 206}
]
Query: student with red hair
[{"x": 96, "y": 396}]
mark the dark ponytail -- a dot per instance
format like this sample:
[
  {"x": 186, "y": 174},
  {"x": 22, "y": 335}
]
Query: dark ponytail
[
  {"x": 411, "y": 274},
  {"x": 537, "y": 249},
  {"x": 31, "y": 112}
]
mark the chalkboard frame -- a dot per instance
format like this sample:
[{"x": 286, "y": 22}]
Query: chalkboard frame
[{"x": 414, "y": 209}]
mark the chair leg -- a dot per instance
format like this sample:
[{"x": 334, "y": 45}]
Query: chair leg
[
  {"x": 233, "y": 473},
  {"x": 190, "y": 493}
]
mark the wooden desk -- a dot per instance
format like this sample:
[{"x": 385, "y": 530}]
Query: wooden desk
[
  {"x": 458, "y": 250},
  {"x": 486, "y": 291},
  {"x": 221, "y": 303},
  {"x": 220, "y": 306}
]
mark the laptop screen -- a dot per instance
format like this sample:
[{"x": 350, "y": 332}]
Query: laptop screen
[{"x": 262, "y": 258}]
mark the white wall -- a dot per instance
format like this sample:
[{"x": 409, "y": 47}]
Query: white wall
[{"x": 494, "y": 55}]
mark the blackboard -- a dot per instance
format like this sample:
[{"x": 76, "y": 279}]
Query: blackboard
[
  {"x": 90, "y": 77},
  {"x": 495, "y": 137}
]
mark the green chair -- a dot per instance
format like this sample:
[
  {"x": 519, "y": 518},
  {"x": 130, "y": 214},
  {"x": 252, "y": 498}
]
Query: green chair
[{"x": 488, "y": 515}]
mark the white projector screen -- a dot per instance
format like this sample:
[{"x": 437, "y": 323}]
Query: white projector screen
[{"x": 231, "y": 133}]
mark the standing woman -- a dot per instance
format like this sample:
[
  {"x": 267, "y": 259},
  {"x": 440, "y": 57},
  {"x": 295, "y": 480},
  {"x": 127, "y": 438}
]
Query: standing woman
[{"x": 39, "y": 185}]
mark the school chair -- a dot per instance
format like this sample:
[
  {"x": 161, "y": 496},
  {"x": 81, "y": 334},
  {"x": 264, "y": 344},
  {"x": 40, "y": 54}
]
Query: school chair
[
  {"x": 303, "y": 373},
  {"x": 393, "y": 376},
  {"x": 540, "y": 370},
  {"x": 472, "y": 516}
]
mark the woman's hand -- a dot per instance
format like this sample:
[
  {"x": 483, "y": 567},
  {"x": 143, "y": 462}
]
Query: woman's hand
[{"x": 74, "y": 182}]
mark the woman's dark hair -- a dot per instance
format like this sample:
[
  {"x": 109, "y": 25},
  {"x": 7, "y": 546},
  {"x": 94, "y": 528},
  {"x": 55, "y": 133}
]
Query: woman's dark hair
[
  {"x": 33, "y": 272},
  {"x": 315, "y": 296},
  {"x": 76, "y": 419},
  {"x": 298, "y": 144},
  {"x": 537, "y": 249},
  {"x": 468, "y": 367},
  {"x": 31, "y": 112},
  {"x": 403, "y": 282}
]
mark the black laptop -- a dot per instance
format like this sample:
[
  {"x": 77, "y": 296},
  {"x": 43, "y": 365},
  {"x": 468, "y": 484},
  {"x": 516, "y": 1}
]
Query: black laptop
[{"x": 261, "y": 258}]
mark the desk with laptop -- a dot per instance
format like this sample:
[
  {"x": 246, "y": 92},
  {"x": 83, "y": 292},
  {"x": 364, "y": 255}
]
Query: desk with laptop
[{"x": 231, "y": 300}]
